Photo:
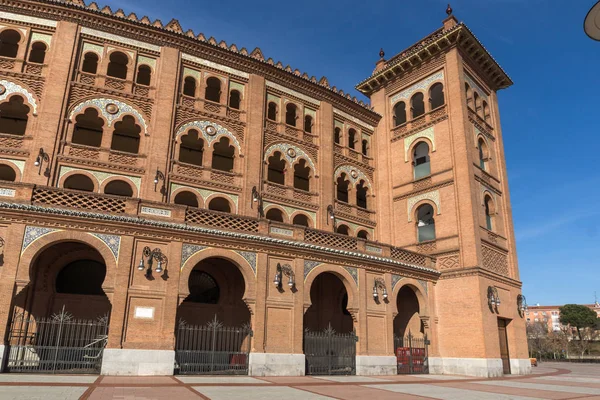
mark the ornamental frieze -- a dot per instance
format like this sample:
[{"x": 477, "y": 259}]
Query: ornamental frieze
[
  {"x": 112, "y": 110},
  {"x": 8, "y": 88},
  {"x": 291, "y": 154},
  {"x": 355, "y": 175},
  {"x": 211, "y": 132}
]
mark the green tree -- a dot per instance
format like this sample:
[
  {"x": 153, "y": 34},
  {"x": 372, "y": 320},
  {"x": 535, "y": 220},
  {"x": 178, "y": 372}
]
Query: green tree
[{"x": 578, "y": 316}]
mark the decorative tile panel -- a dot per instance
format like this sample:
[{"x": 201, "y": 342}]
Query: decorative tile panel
[
  {"x": 13, "y": 88},
  {"x": 433, "y": 196},
  {"x": 211, "y": 132},
  {"x": 41, "y": 37},
  {"x": 280, "y": 231},
  {"x": 292, "y": 93},
  {"x": 102, "y": 176},
  {"x": 27, "y": 19},
  {"x": 353, "y": 272},
  {"x": 291, "y": 154},
  {"x": 353, "y": 226},
  {"x": 120, "y": 39},
  {"x": 113, "y": 242},
  {"x": 273, "y": 98},
  {"x": 193, "y": 73},
  {"x": 7, "y": 192},
  {"x": 151, "y": 62},
  {"x": 312, "y": 113},
  {"x": 188, "y": 250},
  {"x": 353, "y": 119},
  {"x": 424, "y": 286},
  {"x": 102, "y": 104},
  {"x": 289, "y": 210},
  {"x": 309, "y": 266},
  {"x": 475, "y": 85},
  {"x": 395, "y": 280},
  {"x": 237, "y": 86},
  {"x": 95, "y": 48},
  {"x": 354, "y": 174},
  {"x": 20, "y": 164},
  {"x": 160, "y": 212},
  {"x": 409, "y": 140},
  {"x": 33, "y": 233},
  {"x": 373, "y": 249},
  {"x": 407, "y": 93},
  {"x": 216, "y": 66},
  {"x": 250, "y": 257},
  {"x": 110, "y": 49}
]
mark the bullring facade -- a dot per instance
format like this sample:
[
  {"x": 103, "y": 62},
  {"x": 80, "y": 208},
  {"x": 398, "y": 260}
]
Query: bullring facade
[{"x": 159, "y": 188}]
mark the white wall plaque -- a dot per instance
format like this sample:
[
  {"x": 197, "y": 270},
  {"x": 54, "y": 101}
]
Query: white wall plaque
[
  {"x": 282, "y": 231},
  {"x": 155, "y": 211},
  {"x": 7, "y": 192},
  {"x": 144, "y": 312}
]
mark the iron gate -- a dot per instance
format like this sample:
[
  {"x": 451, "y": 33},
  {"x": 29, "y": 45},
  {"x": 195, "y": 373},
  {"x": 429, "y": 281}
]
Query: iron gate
[
  {"x": 330, "y": 353},
  {"x": 212, "y": 349},
  {"x": 56, "y": 344},
  {"x": 411, "y": 354}
]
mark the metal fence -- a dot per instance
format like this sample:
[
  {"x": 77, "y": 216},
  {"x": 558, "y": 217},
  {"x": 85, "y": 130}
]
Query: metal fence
[
  {"x": 56, "y": 344},
  {"x": 330, "y": 353},
  {"x": 212, "y": 349},
  {"x": 411, "y": 354}
]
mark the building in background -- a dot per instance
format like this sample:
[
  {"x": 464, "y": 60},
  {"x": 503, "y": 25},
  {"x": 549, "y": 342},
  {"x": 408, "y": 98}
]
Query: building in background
[
  {"x": 551, "y": 315},
  {"x": 171, "y": 203}
]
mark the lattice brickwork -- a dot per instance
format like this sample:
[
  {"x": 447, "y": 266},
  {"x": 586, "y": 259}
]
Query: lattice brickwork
[
  {"x": 11, "y": 142},
  {"x": 74, "y": 199},
  {"x": 124, "y": 159},
  {"x": 330, "y": 239},
  {"x": 353, "y": 155},
  {"x": 308, "y": 138},
  {"x": 142, "y": 91},
  {"x": 344, "y": 208},
  {"x": 278, "y": 190},
  {"x": 439, "y": 113},
  {"x": 422, "y": 184},
  {"x": 221, "y": 220},
  {"x": 188, "y": 102},
  {"x": 363, "y": 214},
  {"x": 270, "y": 125},
  {"x": 212, "y": 108},
  {"x": 303, "y": 196},
  {"x": 81, "y": 152},
  {"x": 408, "y": 257},
  {"x": 223, "y": 178},
  {"x": 34, "y": 69},
  {"x": 401, "y": 130},
  {"x": 113, "y": 83},
  {"x": 291, "y": 131},
  {"x": 233, "y": 114},
  {"x": 415, "y": 123},
  {"x": 494, "y": 260},
  {"x": 189, "y": 170},
  {"x": 7, "y": 63},
  {"x": 87, "y": 79}
]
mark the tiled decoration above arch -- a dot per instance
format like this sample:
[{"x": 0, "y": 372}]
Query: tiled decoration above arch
[
  {"x": 210, "y": 131},
  {"x": 102, "y": 176},
  {"x": 188, "y": 250},
  {"x": 94, "y": 48},
  {"x": 407, "y": 93},
  {"x": 205, "y": 193},
  {"x": 20, "y": 164},
  {"x": 110, "y": 109},
  {"x": 193, "y": 73},
  {"x": 113, "y": 242},
  {"x": 290, "y": 210},
  {"x": 8, "y": 88},
  {"x": 355, "y": 228},
  {"x": 143, "y": 60},
  {"x": 249, "y": 256},
  {"x": 433, "y": 196},
  {"x": 33, "y": 233},
  {"x": 291, "y": 153},
  {"x": 309, "y": 266},
  {"x": 354, "y": 174},
  {"x": 475, "y": 85},
  {"x": 409, "y": 140},
  {"x": 41, "y": 37},
  {"x": 395, "y": 280},
  {"x": 237, "y": 86}
]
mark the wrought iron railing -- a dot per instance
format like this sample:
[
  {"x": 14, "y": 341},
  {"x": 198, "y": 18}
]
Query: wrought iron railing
[
  {"x": 330, "y": 353},
  {"x": 411, "y": 354}
]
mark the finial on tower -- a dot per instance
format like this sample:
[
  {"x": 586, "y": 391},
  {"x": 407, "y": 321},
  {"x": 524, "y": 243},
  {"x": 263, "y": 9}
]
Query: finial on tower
[
  {"x": 381, "y": 53},
  {"x": 449, "y": 10}
]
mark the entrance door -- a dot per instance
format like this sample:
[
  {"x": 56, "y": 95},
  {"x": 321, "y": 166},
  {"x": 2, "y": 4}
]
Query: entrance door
[
  {"x": 503, "y": 345},
  {"x": 330, "y": 353},
  {"x": 411, "y": 354}
]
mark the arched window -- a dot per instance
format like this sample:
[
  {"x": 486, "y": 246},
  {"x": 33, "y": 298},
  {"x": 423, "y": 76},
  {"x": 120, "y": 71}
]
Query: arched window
[
  {"x": 337, "y": 135},
  {"x": 219, "y": 204},
  {"x": 203, "y": 288},
  {"x": 301, "y": 220},
  {"x": 399, "y": 113},
  {"x": 9, "y": 43},
  {"x": 119, "y": 188},
  {"x": 365, "y": 147},
  {"x": 13, "y": 116},
  {"x": 144, "y": 75},
  {"x": 436, "y": 96},
  {"x": 81, "y": 277},
  {"x": 275, "y": 214},
  {"x": 422, "y": 166},
  {"x": 308, "y": 123},
  {"x": 272, "y": 111},
  {"x": 468, "y": 94},
  {"x": 7, "y": 173},
  {"x": 425, "y": 223},
  {"x": 363, "y": 234},
  {"x": 486, "y": 110},
  {"x": 38, "y": 53},
  {"x": 302, "y": 176},
  {"x": 290, "y": 114},
  {"x": 276, "y": 169},
  {"x": 189, "y": 86},
  {"x": 88, "y": 128},
  {"x": 361, "y": 194},
  {"x": 476, "y": 102},
  {"x": 90, "y": 63},
  {"x": 186, "y": 198},
  {"x": 343, "y": 230},
  {"x": 191, "y": 148},
  {"x": 483, "y": 153},
  {"x": 213, "y": 89},
  {"x": 126, "y": 136},
  {"x": 342, "y": 188},
  {"x": 79, "y": 182},
  {"x": 417, "y": 105},
  {"x": 489, "y": 213},
  {"x": 352, "y": 138},
  {"x": 223, "y": 154},
  {"x": 235, "y": 99},
  {"x": 117, "y": 67}
]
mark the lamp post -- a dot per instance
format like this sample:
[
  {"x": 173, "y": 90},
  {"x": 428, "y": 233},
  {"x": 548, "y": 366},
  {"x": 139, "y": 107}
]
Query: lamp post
[
  {"x": 147, "y": 260},
  {"x": 286, "y": 270}
]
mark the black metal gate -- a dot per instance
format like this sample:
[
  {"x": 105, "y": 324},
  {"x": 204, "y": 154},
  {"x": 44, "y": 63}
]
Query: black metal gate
[
  {"x": 56, "y": 344},
  {"x": 411, "y": 354},
  {"x": 212, "y": 349},
  {"x": 330, "y": 353}
]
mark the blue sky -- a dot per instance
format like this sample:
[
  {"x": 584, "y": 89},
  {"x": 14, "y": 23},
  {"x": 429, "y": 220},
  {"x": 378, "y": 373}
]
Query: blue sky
[{"x": 548, "y": 117}]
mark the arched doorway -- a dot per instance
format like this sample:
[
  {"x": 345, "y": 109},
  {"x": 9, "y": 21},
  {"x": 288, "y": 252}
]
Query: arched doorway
[
  {"x": 60, "y": 319},
  {"x": 410, "y": 339},
  {"x": 329, "y": 337},
  {"x": 213, "y": 331}
]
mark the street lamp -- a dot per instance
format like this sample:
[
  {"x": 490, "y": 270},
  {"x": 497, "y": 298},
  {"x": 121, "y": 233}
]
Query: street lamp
[
  {"x": 493, "y": 298},
  {"x": 521, "y": 305},
  {"x": 148, "y": 257},
  {"x": 286, "y": 270},
  {"x": 330, "y": 214},
  {"x": 379, "y": 284},
  {"x": 159, "y": 176},
  {"x": 40, "y": 159},
  {"x": 257, "y": 198}
]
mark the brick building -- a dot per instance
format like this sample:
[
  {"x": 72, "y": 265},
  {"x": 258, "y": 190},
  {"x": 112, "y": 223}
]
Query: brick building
[
  {"x": 551, "y": 315},
  {"x": 165, "y": 187}
]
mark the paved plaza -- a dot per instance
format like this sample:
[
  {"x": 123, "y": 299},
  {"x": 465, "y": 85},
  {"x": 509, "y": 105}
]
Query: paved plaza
[{"x": 549, "y": 381}]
